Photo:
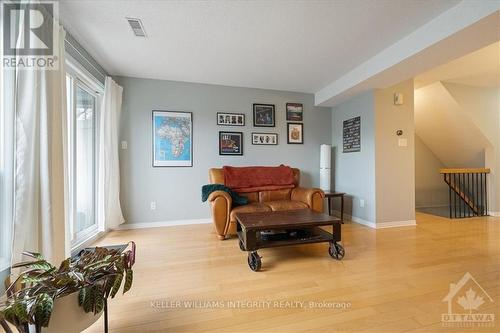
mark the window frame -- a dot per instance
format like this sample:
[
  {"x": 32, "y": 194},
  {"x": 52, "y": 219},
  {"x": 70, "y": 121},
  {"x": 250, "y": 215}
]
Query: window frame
[
  {"x": 82, "y": 79},
  {"x": 7, "y": 163}
]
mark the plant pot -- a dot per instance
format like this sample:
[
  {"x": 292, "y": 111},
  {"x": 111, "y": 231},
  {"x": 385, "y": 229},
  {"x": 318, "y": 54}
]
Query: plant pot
[{"x": 69, "y": 317}]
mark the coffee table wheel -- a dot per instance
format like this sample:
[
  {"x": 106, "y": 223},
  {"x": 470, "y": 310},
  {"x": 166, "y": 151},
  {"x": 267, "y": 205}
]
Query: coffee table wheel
[
  {"x": 254, "y": 261},
  {"x": 336, "y": 251},
  {"x": 242, "y": 247}
]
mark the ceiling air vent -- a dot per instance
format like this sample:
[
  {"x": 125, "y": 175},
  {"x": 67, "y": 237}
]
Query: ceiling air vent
[{"x": 136, "y": 26}]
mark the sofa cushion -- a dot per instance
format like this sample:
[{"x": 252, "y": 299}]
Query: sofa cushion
[
  {"x": 250, "y": 208},
  {"x": 285, "y": 205},
  {"x": 283, "y": 194}
]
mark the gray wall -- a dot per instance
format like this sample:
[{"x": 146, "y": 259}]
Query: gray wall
[
  {"x": 177, "y": 190},
  {"x": 430, "y": 189},
  {"x": 355, "y": 172}
]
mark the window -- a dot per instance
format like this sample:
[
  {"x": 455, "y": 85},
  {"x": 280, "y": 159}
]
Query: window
[{"x": 83, "y": 102}]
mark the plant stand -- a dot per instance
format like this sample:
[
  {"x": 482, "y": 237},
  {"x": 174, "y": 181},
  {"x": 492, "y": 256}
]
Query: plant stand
[{"x": 106, "y": 315}]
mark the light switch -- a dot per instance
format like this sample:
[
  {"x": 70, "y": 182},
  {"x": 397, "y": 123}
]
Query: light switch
[
  {"x": 124, "y": 145},
  {"x": 403, "y": 142}
]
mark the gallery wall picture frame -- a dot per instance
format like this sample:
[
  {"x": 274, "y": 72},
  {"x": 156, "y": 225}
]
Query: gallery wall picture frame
[
  {"x": 295, "y": 133},
  {"x": 264, "y": 115},
  {"x": 230, "y": 119},
  {"x": 230, "y": 143},
  {"x": 351, "y": 135},
  {"x": 172, "y": 138},
  {"x": 265, "y": 139},
  {"x": 294, "y": 112}
]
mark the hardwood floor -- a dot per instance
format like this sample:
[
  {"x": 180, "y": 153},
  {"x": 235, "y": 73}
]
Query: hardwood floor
[{"x": 391, "y": 280}]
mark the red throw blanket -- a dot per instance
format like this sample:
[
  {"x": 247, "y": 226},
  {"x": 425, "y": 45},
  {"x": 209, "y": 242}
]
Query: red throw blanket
[{"x": 258, "y": 178}]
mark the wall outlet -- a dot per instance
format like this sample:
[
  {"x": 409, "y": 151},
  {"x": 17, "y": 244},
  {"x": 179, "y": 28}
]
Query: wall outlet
[
  {"x": 152, "y": 205},
  {"x": 361, "y": 203},
  {"x": 124, "y": 145}
]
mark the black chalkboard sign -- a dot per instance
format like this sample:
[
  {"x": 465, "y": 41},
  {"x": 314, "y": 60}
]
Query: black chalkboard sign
[{"x": 352, "y": 135}]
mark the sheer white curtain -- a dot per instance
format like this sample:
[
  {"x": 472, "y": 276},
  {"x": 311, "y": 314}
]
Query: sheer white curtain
[
  {"x": 40, "y": 159},
  {"x": 109, "y": 208}
]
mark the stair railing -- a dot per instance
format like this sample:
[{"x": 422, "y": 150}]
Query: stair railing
[{"x": 468, "y": 191}]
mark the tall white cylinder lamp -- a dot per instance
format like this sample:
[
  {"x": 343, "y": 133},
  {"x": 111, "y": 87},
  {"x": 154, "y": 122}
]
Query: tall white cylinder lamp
[{"x": 325, "y": 167}]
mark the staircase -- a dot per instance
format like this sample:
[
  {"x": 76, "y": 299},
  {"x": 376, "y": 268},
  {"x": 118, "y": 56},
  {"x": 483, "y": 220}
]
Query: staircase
[{"x": 468, "y": 194}]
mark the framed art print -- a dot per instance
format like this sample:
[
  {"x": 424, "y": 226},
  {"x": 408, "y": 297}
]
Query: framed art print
[
  {"x": 351, "y": 135},
  {"x": 265, "y": 139},
  {"x": 230, "y": 119},
  {"x": 172, "y": 138},
  {"x": 294, "y": 111},
  {"x": 263, "y": 115},
  {"x": 295, "y": 133},
  {"x": 230, "y": 143}
]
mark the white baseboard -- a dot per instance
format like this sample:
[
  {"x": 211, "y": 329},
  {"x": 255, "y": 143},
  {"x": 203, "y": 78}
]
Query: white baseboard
[
  {"x": 362, "y": 221},
  {"x": 381, "y": 225},
  {"x": 394, "y": 224},
  {"x": 431, "y": 206},
  {"x": 496, "y": 214},
  {"x": 159, "y": 224},
  {"x": 356, "y": 219}
]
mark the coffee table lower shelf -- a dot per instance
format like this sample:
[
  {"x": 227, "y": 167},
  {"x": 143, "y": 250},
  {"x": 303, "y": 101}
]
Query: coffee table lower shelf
[
  {"x": 252, "y": 240},
  {"x": 312, "y": 235}
]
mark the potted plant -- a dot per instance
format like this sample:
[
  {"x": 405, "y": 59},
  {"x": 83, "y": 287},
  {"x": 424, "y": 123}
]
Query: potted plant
[{"x": 83, "y": 282}]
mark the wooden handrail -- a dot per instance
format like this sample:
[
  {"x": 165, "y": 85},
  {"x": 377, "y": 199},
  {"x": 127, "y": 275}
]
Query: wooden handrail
[{"x": 464, "y": 170}]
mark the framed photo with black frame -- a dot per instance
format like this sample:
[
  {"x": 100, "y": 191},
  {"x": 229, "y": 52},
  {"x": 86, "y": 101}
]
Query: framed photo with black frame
[
  {"x": 351, "y": 135},
  {"x": 294, "y": 111},
  {"x": 230, "y": 119},
  {"x": 230, "y": 143},
  {"x": 263, "y": 115},
  {"x": 265, "y": 139},
  {"x": 172, "y": 138},
  {"x": 295, "y": 133}
]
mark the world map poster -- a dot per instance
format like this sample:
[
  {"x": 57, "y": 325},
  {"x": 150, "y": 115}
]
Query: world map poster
[{"x": 172, "y": 139}]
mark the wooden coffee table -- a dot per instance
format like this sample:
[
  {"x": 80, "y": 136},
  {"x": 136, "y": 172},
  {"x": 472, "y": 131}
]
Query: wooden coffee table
[{"x": 272, "y": 229}]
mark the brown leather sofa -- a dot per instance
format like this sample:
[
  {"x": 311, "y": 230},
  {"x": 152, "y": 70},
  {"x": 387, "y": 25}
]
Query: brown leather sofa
[{"x": 223, "y": 215}]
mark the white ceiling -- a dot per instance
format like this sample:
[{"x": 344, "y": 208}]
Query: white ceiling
[
  {"x": 480, "y": 68},
  {"x": 283, "y": 45}
]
